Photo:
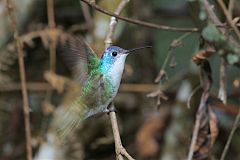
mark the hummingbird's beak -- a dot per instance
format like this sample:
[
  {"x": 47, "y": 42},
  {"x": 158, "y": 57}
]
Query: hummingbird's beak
[{"x": 134, "y": 49}]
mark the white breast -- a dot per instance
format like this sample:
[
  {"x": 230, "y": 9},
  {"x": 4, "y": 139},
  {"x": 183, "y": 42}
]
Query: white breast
[{"x": 115, "y": 73}]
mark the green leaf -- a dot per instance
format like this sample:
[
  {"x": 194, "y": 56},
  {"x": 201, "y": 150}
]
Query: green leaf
[
  {"x": 232, "y": 59},
  {"x": 211, "y": 33}
]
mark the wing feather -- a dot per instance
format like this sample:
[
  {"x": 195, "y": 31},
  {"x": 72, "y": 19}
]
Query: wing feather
[{"x": 78, "y": 56}]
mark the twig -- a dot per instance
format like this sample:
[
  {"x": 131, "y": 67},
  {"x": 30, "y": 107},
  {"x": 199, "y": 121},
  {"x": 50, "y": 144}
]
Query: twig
[
  {"x": 235, "y": 126},
  {"x": 51, "y": 25},
  {"x": 120, "y": 150},
  {"x": 228, "y": 17},
  {"x": 32, "y": 86},
  {"x": 213, "y": 17},
  {"x": 142, "y": 23},
  {"x": 23, "y": 79},
  {"x": 191, "y": 95},
  {"x": 199, "y": 117},
  {"x": 195, "y": 135},
  {"x": 52, "y": 45},
  {"x": 222, "y": 93},
  {"x": 50, "y": 13},
  {"x": 87, "y": 15},
  {"x": 206, "y": 78},
  {"x": 231, "y": 7},
  {"x": 173, "y": 45},
  {"x": 39, "y": 33},
  {"x": 113, "y": 23}
]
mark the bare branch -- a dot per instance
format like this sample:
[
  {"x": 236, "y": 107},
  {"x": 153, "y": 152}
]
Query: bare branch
[
  {"x": 228, "y": 17},
  {"x": 120, "y": 150},
  {"x": 51, "y": 25},
  {"x": 87, "y": 15},
  {"x": 222, "y": 93},
  {"x": 230, "y": 7},
  {"x": 113, "y": 23},
  {"x": 175, "y": 43},
  {"x": 52, "y": 44},
  {"x": 235, "y": 126},
  {"x": 10, "y": 10},
  {"x": 141, "y": 23}
]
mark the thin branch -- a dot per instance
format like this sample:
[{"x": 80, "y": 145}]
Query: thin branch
[
  {"x": 87, "y": 15},
  {"x": 214, "y": 19},
  {"x": 31, "y": 86},
  {"x": 120, "y": 150},
  {"x": 235, "y": 126},
  {"x": 141, "y": 23},
  {"x": 195, "y": 135},
  {"x": 229, "y": 18},
  {"x": 222, "y": 93},
  {"x": 52, "y": 25},
  {"x": 191, "y": 95},
  {"x": 175, "y": 43},
  {"x": 52, "y": 44},
  {"x": 113, "y": 23},
  {"x": 206, "y": 79},
  {"x": 22, "y": 71},
  {"x": 44, "y": 34},
  {"x": 50, "y": 13},
  {"x": 231, "y": 7}
]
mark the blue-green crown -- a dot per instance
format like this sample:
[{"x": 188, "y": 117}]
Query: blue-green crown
[{"x": 109, "y": 57}]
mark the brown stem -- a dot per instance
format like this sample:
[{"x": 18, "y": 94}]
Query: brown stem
[
  {"x": 196, "y": 127},
  {"x": 120, "y": 150},
  {"x": 52, "y": 45},
  {"x": 222, "y": 94},
  {"x": 235, "y": 126},
  {"x": 113, "y": 23},
  {"x": 231, "y": 7},
  {"x": 22, "y": 71},
  {"x": 228, "y": 17},
  {"x": 52, "y": 25},
  {"x": 50, "y": 13},
  {"x": 87, "y": 15}
]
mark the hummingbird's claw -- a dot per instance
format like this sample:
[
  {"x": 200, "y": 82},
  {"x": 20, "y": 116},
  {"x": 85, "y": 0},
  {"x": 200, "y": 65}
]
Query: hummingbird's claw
[{"x": 111, "y": 108}]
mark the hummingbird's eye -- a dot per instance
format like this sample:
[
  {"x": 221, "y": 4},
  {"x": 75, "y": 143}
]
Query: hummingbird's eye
[{"x": 114, "y": 54}]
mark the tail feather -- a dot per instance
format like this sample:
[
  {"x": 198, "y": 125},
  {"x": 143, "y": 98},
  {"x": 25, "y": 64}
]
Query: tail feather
[{"x": 67, "y": 119}]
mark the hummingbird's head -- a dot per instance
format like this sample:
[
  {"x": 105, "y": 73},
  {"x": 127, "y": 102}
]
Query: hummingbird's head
[
  {"x": 113, "y": 54},
  {"x": 112, "y": 62},
  {"x": 114, "y": 58}
]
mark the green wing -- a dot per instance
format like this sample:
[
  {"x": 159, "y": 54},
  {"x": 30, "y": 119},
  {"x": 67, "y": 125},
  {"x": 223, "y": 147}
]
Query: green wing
[
  {"x": 84, "y": 65},
  {"x": 78, "y": 56}
]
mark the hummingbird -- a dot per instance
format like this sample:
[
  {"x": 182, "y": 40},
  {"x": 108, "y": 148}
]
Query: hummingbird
[{"x": 99, "y": 79}]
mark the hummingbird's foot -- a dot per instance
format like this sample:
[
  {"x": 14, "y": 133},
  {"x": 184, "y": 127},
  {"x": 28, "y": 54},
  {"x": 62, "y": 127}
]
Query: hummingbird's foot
[{"x": 111, "y": 108}]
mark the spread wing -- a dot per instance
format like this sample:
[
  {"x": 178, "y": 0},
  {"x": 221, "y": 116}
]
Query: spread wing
[
  {"x": 78, "y": 56},
  {"x": 93, "y": 96}
]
